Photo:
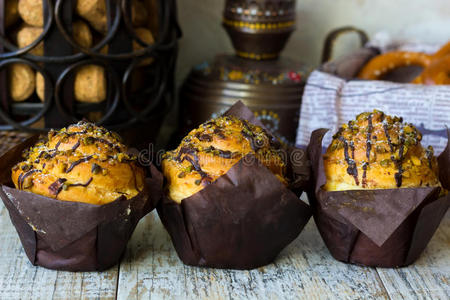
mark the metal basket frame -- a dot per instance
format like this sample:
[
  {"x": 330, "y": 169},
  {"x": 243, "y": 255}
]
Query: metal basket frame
[{"x": 62, "y": 56}]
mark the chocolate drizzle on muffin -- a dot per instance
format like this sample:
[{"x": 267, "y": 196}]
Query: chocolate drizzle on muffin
[
  {"x": 368, "y": 149},
  {"x": 81, "y": 184},
  {"x": 351, "y": 169},
  {"x": 398, "y": 162},
  {"x": 56, "y": 187},
  {"x": 385, "y": 153},
  {"x": 77, "y": 144},
  {"x": 24, "y": 176},
  {"x": 76, "y": 163}
]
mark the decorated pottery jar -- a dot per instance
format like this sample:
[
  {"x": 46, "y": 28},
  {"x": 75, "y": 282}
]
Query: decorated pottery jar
[
  {"x": 271, "y": 89},
  {"x": 270, "y": 86}
]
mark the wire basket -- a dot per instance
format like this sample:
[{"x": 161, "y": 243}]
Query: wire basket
[{"x": 137, "y": 85}]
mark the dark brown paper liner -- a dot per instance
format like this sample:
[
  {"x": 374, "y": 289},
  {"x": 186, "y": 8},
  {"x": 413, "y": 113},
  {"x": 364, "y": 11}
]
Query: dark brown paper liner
[
  {"x": 242, "y": 220},
  {"x": 73, "y": 236},
  {"x": 378, "y": 228}
]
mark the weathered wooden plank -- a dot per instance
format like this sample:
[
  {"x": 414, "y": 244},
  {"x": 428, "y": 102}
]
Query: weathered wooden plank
[
  {"x": 429, "y": 277},
  {"x": 305, "y": 269},
  {"x": 151, "y": 269},
  {"x": 21, "y": 280}
]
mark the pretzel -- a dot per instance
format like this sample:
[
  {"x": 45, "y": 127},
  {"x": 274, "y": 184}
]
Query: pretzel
[
  {"x": 385, "y": 63},
  {"x": 438, "y": 72},
  {"x": 444, "y": 51},
  {"x": 436, "y": 67}
]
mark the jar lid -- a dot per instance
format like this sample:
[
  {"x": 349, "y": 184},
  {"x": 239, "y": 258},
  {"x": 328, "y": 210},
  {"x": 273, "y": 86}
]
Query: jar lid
[
  {"x": 231, "y": 68},
  {"x": 259, "y": 10}
]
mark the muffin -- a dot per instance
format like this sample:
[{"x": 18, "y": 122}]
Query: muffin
[
  {"x": 209, "y": 151},
  {"x": 83, "y": 163},
  {"x": 228, "y": 201},
  {"x": 77, "y": 197},
  {"x": 377, "y": 197},
  {"x": 377, "y": 151}
]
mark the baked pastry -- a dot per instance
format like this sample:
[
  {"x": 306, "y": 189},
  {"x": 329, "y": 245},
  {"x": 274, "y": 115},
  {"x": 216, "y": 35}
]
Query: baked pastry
[
  {"x": 21, "y": 78},
  {"x": 89, "y": 85},
  {"x": 382, "y": 64},
  {"x": 146, "y": 36},
  {"x": 377, "y": 197},
  {"x": 435, "y": 66},
  {"x": 209, "y": 151},
  {"x": 437, "y": 73},
  {"x": 82, "y": 36},
  {"x": 27, "y": 35},
  {"x": 142, "y": 33},
  {"x": 40, "y": 86},
  {"x": 377, "y": 151},
  {"x": 81, "y": 163},
  {"x": 77, "y": 198},
  {"x": 94, "y": 11},
  {"x": 248, "y": 214},
  {"x": 31, "y": 12}
]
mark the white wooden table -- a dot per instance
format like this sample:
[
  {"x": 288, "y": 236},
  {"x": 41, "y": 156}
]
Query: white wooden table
[{"x": 152, "y": 270}]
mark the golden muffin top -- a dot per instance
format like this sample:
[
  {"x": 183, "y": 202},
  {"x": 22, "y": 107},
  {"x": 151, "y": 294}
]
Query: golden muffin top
[
  {"x": 81, "y": 163},
  {"x": 377, "y": 151},
  {"x": 209, "y": 151}
]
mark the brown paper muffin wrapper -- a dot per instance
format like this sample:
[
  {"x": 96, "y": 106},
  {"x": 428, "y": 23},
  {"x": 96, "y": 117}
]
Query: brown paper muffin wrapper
[
  {"x": 242, "y": 220},
  {"x": 73, "y": 236},
  {"x": 378, "y": 228}
]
